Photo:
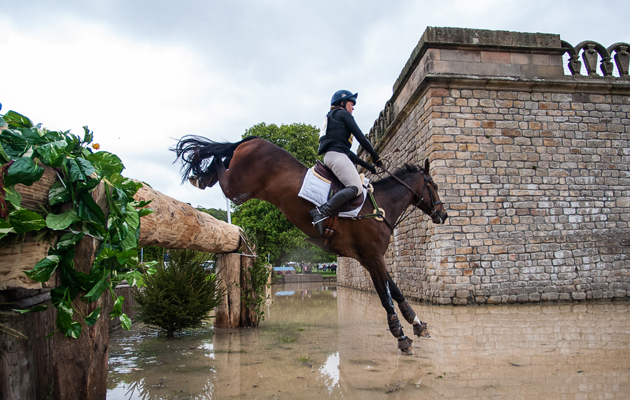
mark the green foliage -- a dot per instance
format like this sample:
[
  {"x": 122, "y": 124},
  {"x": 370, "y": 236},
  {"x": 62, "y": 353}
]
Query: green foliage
[
  {"x": 178, "y": 295},
  {"x": 272, "y": 232},
  {"x": 24, "y": 148},
  {"x": 217, "y": 213}
]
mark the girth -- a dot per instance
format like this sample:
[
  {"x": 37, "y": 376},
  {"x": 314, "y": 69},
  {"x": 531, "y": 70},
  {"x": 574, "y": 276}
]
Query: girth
[{"x": 335, "y": 186}]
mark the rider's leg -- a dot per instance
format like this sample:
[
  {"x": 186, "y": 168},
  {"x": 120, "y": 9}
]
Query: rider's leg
[
  {"x": 347, "y": 173},
  {"x": 344, "y": 169},
  {"x": 322, "y": 212}
]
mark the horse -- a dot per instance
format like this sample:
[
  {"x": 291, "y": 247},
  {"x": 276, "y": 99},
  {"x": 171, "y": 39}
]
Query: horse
[{"x": 254, "y": 168}]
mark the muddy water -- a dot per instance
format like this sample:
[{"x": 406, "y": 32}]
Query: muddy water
[{"x": 322, "y": 342}]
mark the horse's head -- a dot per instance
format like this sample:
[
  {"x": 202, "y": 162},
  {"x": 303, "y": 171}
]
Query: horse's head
[{"x": 429, "y": 202}]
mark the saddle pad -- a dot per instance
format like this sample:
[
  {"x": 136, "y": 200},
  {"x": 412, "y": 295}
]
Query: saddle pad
[{"x": 315, "y": 189}]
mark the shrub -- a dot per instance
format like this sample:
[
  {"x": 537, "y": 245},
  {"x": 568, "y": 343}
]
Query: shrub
[{"x": 180, "y": 294}]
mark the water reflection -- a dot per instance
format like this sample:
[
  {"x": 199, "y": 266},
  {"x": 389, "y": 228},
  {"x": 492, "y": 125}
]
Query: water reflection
[{"x": 323, "y": 342}]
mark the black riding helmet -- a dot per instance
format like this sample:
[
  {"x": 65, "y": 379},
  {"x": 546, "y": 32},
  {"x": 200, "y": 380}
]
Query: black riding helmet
[{"x": 341, "y": 96}]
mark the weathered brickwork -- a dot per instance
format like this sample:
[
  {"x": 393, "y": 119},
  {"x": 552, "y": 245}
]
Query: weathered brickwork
[{"x": 535, "y": 176}]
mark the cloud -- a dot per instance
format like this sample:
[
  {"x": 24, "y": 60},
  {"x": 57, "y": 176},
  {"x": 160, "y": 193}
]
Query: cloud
[{"x": 143, "y": 73}]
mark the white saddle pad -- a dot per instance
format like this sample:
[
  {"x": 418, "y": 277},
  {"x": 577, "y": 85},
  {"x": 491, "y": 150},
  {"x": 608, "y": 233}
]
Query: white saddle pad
[{"x": 315, "y": 189}]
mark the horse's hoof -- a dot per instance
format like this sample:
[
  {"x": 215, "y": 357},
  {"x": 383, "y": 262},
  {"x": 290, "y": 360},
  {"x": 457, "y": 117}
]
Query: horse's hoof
[
  {"x": 404, "y": 345},
  {"x": 408, "y": 351},
  {"x": 421, "y": 330}
]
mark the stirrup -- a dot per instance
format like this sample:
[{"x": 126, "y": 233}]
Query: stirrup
[{"x": 315, "y": 213}]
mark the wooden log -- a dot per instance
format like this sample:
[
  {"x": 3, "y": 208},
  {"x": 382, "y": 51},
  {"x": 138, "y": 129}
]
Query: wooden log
[
  {"x": 228, "y": 314},
  {"x": 177, "y": 225},
  {"x": 22, "y": 255}
]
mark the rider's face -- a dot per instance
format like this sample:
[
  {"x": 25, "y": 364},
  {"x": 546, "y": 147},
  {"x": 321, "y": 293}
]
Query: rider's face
[{"x": 350, "y": 106}]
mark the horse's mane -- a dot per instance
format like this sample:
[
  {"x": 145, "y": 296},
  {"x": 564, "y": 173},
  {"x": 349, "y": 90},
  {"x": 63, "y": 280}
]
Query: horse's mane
[{"x": 400, "y": 173}]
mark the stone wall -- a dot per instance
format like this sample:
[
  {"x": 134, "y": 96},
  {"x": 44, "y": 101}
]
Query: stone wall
[{"x": 532, "y": 165}]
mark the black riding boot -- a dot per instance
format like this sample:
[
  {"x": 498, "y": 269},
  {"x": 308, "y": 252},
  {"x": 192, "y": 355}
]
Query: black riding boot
[{"x": 322, "y": 212}]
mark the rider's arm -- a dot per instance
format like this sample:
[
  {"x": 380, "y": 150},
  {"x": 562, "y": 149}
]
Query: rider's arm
[{"x": 354, "y": 129}]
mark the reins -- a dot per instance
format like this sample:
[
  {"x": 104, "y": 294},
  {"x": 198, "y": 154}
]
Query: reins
[{"x": 380, "y": 213}]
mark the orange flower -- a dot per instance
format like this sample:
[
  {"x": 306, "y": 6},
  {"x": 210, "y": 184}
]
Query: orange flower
[{"x": 96, "y": 146}]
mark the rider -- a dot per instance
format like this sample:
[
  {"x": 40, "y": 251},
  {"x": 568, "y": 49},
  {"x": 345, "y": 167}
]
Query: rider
[{"x": 335, "y": 143}]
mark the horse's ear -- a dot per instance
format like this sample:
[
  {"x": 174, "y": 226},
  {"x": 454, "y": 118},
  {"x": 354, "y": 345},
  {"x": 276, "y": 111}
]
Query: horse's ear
[{"x": 426, "y": 165}]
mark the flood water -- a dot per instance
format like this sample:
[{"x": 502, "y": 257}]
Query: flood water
[{"x": 323, "y": 342}]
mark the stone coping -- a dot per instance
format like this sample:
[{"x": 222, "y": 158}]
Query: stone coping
[{"x": 490, "y": 40}]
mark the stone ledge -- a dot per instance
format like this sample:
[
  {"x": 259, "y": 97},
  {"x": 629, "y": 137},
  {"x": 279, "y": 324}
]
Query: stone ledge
[{"x": 479, "y": 39}]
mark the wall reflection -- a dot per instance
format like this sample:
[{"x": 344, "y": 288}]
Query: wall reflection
[{"x": 326, "y": 342}]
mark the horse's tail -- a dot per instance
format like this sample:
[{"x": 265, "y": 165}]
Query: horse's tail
[{"x": 199, "y": 154}]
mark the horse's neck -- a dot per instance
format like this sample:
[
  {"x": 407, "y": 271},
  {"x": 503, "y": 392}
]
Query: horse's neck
[{"x": 397, "y": 199}]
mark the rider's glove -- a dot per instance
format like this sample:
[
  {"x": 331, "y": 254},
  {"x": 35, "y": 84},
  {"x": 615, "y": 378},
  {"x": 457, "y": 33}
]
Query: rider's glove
[
  {"x": 371, "y": 168},
  {"x": 378, "y": 163}
]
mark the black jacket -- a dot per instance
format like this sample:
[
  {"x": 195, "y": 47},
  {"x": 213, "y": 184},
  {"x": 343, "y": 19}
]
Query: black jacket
[{"x": 341, "y": 127}]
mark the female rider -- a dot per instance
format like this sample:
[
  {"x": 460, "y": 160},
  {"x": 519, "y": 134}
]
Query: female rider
[{"x": 335, "y": 143}]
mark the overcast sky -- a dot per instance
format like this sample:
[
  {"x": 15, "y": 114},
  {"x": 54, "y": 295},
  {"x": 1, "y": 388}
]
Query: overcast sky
[{"x": 141, "y": 73}]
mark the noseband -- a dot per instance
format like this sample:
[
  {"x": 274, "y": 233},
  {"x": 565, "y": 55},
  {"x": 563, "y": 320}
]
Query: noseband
[{"x": 432, "y": 206}]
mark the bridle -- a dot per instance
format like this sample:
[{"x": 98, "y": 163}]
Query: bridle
[{"x": 432, "y": 206}]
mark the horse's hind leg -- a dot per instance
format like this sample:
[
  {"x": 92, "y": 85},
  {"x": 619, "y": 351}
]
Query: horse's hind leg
[
  {"x": 381, "y": 284},
  {"x": 419, "y": 328}
]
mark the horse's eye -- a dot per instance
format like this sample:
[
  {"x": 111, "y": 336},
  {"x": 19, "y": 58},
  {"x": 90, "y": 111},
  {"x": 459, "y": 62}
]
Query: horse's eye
[{"x": 436, "y": 186}]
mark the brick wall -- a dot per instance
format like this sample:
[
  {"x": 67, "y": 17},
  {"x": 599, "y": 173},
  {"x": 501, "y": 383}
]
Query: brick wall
[{"x": 533, "y": 169}]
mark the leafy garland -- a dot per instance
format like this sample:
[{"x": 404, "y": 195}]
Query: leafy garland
[{"x": 23, "y": 148}]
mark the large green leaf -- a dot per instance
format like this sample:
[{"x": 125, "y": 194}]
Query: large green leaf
[
  {"x": 99, "y": 287},
  {"x": 91, "y": 319},
  {"x": 125, "y": 322},
  {"x": 58, "y": 222},
  {"x": 64, "y": 320},
  {"x": 87, "y": 186},
  {"x": 15, "y": 120},
  {"x": 26, "y": 221},
  {"x": 68, "y": 241},
  {"x": 30, "y": 310},
  {"x": 52, "y": 153},
  {"x": 14, "y": 143},
  {"x": 4, "y": 157},
  {"x": 44, "y": 269},
  {"x": 31, "y": 135},
  {"x": 106, "y": 163},
  {"x": 86, "y": 166},
  {"x": 131, "y": 217},
  {"x": 74, "y": 170},
  {"x": 13, "y": 196},
  {"x": 5, "y": 228},
  {"x": 58, "y": 194},
  {"x": 24, "y": 171},
  {"x": 89, "y": 210},
  {"x": 117, "y": 309}
]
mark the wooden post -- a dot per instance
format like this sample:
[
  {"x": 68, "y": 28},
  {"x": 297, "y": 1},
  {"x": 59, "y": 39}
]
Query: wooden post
[
  {"x": 80, "y": 365},
  {"x": 249, "y": 318},
  {"x": 228, "y": 314}
]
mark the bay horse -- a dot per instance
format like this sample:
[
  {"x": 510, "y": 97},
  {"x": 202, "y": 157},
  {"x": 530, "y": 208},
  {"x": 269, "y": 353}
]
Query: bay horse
[{"x": 257, "y": 169}]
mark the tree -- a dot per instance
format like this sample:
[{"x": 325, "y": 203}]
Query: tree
[
  {"x": 178, "y": 295},
  {"x": 263, "y": 222},
  {"x": 217, "y": 213}
]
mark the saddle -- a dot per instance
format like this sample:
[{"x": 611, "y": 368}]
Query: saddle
[{"x": 335, "y": 185}]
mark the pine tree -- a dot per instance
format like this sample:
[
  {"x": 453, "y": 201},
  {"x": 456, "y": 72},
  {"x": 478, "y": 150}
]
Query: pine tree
[{"x": 180, "y": 294}]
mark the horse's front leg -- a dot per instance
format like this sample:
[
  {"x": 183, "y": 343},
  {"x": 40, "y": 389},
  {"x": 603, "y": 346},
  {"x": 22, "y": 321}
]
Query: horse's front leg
[
  {"x": 381, "y": 284},
  {"x": 419, "y": 328}
]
